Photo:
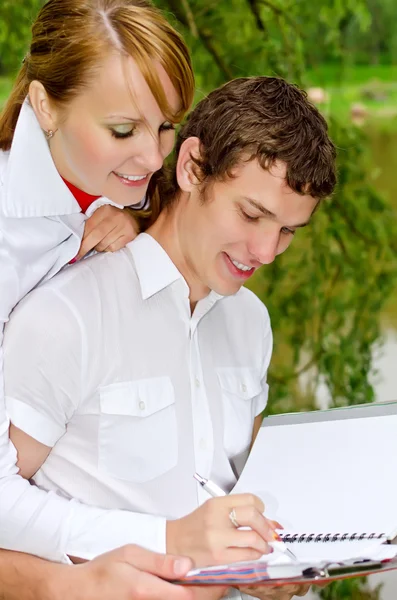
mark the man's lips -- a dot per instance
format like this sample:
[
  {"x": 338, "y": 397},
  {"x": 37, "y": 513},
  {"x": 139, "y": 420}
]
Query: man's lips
[{"x": 235, "y": 270}]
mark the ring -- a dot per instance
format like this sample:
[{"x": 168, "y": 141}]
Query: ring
[{"x": 232, "y": 517}]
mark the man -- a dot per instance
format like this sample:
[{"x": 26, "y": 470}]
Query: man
[{"x": 142, "y": 367}]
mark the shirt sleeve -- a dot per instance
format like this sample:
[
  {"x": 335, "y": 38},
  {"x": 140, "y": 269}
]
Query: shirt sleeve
[{"x": 43, "y": 350}]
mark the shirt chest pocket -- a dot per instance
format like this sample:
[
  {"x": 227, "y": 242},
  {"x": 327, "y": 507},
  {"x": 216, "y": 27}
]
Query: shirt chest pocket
[
  {"x": 239, "y": 388},
  {"x": 138, "y": 437}
]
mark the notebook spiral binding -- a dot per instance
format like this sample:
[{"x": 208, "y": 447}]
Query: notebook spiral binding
[{"x": 305, "y": 538}]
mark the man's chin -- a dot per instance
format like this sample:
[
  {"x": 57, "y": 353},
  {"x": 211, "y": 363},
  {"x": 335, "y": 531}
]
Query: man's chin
[{"x": 227, "y": 289}]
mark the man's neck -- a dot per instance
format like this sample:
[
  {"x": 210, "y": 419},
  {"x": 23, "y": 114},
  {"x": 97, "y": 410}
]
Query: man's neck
[{"x": 167, "y": 231}]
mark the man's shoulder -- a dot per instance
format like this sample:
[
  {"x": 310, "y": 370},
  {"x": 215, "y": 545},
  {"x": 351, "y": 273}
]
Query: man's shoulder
[
  {"x": 246, "y": 300},
  {"x": 80, "y": 287}
]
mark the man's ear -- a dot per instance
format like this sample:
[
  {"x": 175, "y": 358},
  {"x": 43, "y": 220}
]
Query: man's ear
[
  {"x": 44, "y": 110},
  {"x": 186, "y": 168}
]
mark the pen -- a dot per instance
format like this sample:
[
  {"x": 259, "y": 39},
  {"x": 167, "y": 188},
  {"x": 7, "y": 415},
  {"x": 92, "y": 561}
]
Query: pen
[{"x": 215, "y": 491}]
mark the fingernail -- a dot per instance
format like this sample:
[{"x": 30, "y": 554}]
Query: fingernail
[
  {"x": 182, "y": 566},
  {"x": 71, "y": 262},
  {"x": 276, "y": 536}
]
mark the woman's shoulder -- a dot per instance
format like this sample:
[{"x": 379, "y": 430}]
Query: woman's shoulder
[{"x": 4, "y": 156}]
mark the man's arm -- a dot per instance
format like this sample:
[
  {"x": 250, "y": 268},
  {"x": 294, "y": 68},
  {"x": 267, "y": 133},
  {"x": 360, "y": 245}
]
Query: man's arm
[{"x": 128, "y": 573}]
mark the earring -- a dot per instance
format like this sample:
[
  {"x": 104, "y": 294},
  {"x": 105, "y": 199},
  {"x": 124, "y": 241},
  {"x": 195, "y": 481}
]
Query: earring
[{"x": 49, "y": 134}]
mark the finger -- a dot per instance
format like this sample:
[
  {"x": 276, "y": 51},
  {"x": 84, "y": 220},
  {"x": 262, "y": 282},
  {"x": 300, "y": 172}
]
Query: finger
[
  {"x": 109, "y": 240},
  {"x": 303, "y": 590},
  {"x": 231, "y": 555},
  {"x": 93, "y": 239},
  {"x": 249, "y": 516},
  {"x": 245, "y": 500},
  {"x": 117, "y": 243},
  {"x": 275, "y": 524},
  {"x": 163, "y": 565},
  {"x": 296, "y": 589},
  {"x": 101, "y": 214},
  {"x": 239, "y": 538},
  {"x": 145, "y": 586}
]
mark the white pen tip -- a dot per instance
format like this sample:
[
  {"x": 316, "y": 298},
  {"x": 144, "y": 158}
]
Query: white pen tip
[{"x": 200, "y": 479}]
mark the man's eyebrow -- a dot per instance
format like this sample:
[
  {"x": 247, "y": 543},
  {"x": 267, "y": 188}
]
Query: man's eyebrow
[{"x": 269, "y": 213}]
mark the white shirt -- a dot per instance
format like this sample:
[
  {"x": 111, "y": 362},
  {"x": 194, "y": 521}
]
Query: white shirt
[
  {"x": 41, "y": 226},
  {"x": 134, "y": 393}
]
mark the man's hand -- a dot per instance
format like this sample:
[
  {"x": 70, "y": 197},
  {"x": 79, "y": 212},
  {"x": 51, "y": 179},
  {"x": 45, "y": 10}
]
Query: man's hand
[
  {"x": 108, "y": 230},
  {"x": 128, "y": 573},
  {"x": 273, "y": 592},
  {"x": 209, "y": 538}
]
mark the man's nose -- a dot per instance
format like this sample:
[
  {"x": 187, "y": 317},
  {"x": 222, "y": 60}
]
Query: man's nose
[{"x": 264, "y": 246}]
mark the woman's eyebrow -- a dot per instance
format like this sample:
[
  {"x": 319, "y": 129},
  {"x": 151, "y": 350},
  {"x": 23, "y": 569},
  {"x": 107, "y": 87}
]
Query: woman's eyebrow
[{"x": 124, "y": 118}]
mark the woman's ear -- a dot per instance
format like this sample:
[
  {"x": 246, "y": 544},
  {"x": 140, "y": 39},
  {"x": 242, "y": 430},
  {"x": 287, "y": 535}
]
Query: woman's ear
[
  {"x": 44, "y": 110},
  {"x": 186, "y": 168}
]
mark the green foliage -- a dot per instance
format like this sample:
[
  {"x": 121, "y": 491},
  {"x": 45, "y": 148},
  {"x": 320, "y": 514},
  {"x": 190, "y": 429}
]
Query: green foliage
[
  {"x": 16, "y": 17},
  {"x": 350, "y": 589}
]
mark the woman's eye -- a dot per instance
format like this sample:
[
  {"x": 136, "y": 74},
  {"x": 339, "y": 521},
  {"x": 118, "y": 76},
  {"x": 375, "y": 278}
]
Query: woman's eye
[
  {"x": 167, "y": 126},
  {"x": 122, "y": 131},
  {"x": 288, "y": 231}
]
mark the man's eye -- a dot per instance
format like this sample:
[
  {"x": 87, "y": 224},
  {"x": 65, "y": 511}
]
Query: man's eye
[
  {"x": 248, "y": 217},
  {"x": 122, "y": 131},
  {"x": 288, "y": 231}
]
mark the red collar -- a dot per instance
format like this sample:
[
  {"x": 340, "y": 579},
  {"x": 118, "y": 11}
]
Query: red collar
[{"x": 85, "y": 200}]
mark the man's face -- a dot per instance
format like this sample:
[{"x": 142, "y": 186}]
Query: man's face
[{"x": 240, "y": 225}]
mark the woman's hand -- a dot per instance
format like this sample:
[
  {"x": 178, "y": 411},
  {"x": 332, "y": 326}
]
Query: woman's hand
[
  {"x": 276, "y": 592},
  {"x": 108, "y": 230},
  {"x": 208, "y": 536}
]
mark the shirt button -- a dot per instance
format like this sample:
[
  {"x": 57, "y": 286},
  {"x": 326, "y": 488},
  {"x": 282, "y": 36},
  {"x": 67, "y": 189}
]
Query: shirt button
[
  {"x": 197, "y": 382},
  {"x": 243, "y": 387},
  {"x": 142, "y": 405}
]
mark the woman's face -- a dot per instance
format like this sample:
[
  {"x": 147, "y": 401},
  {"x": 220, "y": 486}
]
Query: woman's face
[{"x": 113, "y": 136}]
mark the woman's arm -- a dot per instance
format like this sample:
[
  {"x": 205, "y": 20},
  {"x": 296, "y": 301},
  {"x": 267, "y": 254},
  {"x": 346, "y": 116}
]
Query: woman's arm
[
  {"x": 126, "y": 573},
  {"x": 31, "y": 453}
]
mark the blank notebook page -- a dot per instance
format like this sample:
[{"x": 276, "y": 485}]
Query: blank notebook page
[{"x": 337, "y": 474}]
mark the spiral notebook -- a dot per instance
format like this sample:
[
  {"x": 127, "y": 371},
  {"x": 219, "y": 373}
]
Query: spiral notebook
[{"x": 329, "y": 477}]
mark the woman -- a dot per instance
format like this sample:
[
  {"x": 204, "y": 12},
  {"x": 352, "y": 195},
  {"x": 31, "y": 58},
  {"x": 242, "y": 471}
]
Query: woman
[{"x": 88, "y": 122}]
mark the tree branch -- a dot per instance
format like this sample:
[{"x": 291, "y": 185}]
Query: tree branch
[
  {"x": 190, "y": 18},
  {"x": 206, "y": 37},
  {"x": 283, "y": 14},
  {"x": 253, "y": 4}
]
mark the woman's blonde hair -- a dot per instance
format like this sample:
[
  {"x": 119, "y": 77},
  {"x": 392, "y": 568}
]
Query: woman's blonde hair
[{"x": 71, "y": 37}]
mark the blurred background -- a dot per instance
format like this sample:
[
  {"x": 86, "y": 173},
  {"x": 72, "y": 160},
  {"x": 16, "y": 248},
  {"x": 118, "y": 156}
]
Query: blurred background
[{"x": 332, "y": 296}]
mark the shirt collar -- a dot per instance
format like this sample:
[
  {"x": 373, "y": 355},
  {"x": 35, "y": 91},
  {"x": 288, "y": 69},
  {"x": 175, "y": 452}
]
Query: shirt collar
[
  {"x": 32, "y": 185},
  {"x": 154, "y": 267},
  {"x": 156, "y": 271}
]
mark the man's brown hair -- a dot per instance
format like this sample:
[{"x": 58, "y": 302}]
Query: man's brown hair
[{"x": 264, "y": 118}]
